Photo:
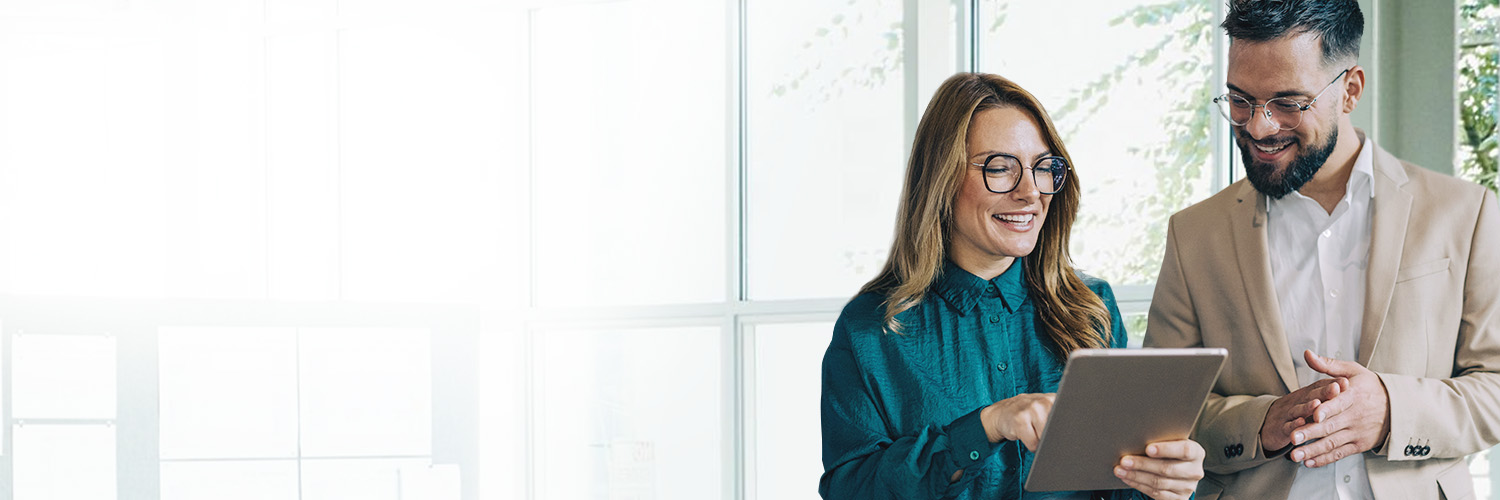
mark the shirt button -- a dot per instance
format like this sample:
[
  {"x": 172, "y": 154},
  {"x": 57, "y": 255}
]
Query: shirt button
[
  {"x": 994, "y": 318},
  {"x": 1327, "y": 233},
  {"x": 1334, "y": 293},
  {"x": 1346, "y": 479},
  {"x": 1001, "y": 366},
  {"x": 1338, "y": 355}
]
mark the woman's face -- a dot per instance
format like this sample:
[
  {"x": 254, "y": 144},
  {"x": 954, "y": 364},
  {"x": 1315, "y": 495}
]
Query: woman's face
[{"x": 992, "y": 229}]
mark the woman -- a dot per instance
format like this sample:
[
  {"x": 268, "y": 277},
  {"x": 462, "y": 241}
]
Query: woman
[{"x": 941, "y": 371}]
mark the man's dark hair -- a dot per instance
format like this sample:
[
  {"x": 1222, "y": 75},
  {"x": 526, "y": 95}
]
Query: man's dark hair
[{"x": 1338, "y": 24}]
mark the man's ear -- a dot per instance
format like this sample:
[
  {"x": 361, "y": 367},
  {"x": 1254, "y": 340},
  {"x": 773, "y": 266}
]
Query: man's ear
[{"x": 1354, "y": 88}]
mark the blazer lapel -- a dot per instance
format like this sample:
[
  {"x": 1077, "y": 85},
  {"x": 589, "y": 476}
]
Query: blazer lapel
[
  {"x": 1390, "y": 213},
  {"x": 1248, "y": 228}
]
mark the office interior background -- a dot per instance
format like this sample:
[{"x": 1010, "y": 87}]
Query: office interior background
[{"x": 548, "y": 249}]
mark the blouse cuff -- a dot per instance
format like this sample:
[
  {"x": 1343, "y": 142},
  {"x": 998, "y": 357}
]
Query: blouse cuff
[{"x": 967, "y": 440}]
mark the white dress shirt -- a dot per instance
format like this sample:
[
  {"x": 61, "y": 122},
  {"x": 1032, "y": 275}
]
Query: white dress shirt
[{"x": 1318, "y": 263}]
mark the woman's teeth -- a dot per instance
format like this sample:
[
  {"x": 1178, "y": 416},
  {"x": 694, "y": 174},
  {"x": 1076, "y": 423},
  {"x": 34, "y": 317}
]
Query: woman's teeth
[{"x": 1017, "y": 219}]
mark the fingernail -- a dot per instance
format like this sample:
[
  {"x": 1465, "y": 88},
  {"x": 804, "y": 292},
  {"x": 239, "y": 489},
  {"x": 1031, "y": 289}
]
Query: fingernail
[
  {"x": 1320, "y": 416},
  {"x": 1151, "y": 450},
  {"x": 1310, "y": 463},
  {"x": 1297, "y": 455},
  {"x": 1127, "y": 463},
  {"x": 1119, "y": 472},
  {"x": 1297, "y": 439}
]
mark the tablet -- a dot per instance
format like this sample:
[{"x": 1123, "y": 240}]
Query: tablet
[{"x": 1113, "y": 402}]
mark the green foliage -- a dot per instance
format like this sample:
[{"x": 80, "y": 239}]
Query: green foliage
[
  {"x": 1477, "y": 67},
  {"x": 1179, "y": 63}
]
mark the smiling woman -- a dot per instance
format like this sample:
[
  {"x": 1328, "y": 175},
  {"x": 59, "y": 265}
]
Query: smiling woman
[{"x": 975, "y": 234}]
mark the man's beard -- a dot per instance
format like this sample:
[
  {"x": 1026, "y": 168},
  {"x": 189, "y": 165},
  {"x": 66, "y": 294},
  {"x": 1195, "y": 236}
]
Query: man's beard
[{"x": 1303, "y": 167}]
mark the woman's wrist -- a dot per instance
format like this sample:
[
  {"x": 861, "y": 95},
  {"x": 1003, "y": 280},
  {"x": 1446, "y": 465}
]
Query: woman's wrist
[{"x": 991, "y": 429}]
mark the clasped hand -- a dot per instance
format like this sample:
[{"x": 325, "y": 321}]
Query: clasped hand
[
  {"x": 1332, "y": 418},
  {"x": 1169, "y": 470}
]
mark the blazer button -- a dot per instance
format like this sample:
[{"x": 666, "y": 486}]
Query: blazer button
[
  {"x": 1407, "y": 451},
  {"x": 1426, "y": 450},
  {"x": 1229, "y": 451}
]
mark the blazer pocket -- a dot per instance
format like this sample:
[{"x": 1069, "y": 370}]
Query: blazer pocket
[
  {"x": 1455, "y": 483},
  {"x": 1419, "y": 270}
]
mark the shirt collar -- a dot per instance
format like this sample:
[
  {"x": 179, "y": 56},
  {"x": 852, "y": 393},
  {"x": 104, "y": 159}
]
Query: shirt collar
[
  {"x": 962, "y": 289},
  {"x": 1361, "y": 182}
]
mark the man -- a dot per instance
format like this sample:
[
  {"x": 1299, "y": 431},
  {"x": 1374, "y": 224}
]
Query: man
[{"x": 1358, "y": 295}]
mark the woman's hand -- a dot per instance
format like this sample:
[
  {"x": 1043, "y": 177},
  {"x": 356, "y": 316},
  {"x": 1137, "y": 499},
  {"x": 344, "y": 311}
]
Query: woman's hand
[
  {"x": 1019, "y": 418},
  {"x": 1169, "y": 471}
]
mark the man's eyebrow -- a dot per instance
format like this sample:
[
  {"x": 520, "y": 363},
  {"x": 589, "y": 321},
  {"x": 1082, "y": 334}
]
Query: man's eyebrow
[{"x": 1284, "y": 93}]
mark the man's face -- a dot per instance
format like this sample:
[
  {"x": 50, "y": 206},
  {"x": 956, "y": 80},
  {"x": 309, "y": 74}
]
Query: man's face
[{"x": 1278, "y": 162}]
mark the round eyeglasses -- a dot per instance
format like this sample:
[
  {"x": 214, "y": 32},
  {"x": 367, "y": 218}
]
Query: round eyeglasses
[
  {"x": 1002, "y": 173},
  {"x": 1284, "y": 113}
]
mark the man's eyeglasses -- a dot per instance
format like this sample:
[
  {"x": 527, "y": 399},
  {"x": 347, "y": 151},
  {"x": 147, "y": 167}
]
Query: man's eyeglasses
[
  {"x": 1284, "y": 113},
  {"x": 1002, "y": 173}
]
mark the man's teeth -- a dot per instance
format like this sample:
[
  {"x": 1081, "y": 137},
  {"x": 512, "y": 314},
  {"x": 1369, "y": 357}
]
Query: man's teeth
[
  {"x": 1018, "y": 219},
  {"x": 1271, "y": 149}
]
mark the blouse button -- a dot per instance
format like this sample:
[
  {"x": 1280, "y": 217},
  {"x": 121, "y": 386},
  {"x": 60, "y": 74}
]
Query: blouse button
[
  {"x": 1001, "y": 366},
  {"x": 994, "y": 318},
  {"x": 973, "y": 455}
]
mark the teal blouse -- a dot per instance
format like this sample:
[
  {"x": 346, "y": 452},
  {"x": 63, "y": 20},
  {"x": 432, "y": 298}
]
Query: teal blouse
[{"x": 901, "y": 411}]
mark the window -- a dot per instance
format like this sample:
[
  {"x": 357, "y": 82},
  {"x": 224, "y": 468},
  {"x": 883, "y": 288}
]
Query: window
[{"x": 542, "y": 249}]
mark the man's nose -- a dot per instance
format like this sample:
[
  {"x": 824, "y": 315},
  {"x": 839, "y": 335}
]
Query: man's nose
[{"x": 1261, "y": 126}]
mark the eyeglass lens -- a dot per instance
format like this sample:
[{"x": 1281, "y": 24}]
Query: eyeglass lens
[{"x": 1003, "y": 173}]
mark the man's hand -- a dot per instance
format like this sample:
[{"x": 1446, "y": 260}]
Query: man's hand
[
  {"x": 1295, "y": 410},
  {"x": 1169, "y": 471},
  {"x": 1354, "y": 421},
  {"x": 1018, "y": 418}
]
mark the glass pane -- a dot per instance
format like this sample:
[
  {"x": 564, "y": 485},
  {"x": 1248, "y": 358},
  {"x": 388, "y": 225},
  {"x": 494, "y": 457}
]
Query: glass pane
[
  {"x": 220, "y": 248},
  {"x": 1478, "y": 107},
  {"x": 228, "y": 392},
  {"x": 302, "y": 211},
  {"x": 365, "y": 391},
  {"x": 431, "y": 482},
  {"x": 630, "y": 169},
  {"x": 614, "y": 420},
  {"x": 1482, "y": 469},
  {"x": 788, "y": 437},
  {"x": 63, "y": 376},
  {"x": 1111, "y": 102},
  {"x": 366, "y": 479},
  {"x": 291, "y": 11},
  {"x": 87, "y": 221},
  {"x": 502, "y": 418},
  {"x": 827, "y": 141},
  {"x": 64, "y": 461},
  {"x": 427, "y": 195},
  {"x": 1135, "y": 328},
  {"x": 257, "y": 480}
]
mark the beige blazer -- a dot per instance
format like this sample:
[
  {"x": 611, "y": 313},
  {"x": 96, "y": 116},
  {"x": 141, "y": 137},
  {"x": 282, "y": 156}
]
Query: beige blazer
[{"x": 1431, "y": 331}]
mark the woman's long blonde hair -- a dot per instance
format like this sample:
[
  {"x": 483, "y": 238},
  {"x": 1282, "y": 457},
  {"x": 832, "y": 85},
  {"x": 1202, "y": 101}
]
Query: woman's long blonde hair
[{"x": 1068, "y": 311}]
